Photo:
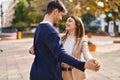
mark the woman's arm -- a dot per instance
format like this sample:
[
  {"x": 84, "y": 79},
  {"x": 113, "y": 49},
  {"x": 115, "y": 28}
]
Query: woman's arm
[
  {"x": 85, "y": 50},
  {"x": 31, "y": 50}
]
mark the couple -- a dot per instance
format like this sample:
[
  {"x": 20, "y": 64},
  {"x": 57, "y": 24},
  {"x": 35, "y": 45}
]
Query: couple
[{"x": 52, "y": 61}]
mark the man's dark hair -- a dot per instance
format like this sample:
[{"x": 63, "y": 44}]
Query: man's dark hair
[{"x": 55, "y": 4}]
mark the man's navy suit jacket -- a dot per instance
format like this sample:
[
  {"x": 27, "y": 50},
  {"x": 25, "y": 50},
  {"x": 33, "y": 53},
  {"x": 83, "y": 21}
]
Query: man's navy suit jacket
[{"x": 49, "y": 54}]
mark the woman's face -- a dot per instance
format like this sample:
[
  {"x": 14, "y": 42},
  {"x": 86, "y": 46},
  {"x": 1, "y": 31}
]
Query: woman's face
[{"x": 70, "y": 24}]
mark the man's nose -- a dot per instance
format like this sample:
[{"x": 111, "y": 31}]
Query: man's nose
[{"x": 60, "y": 18}]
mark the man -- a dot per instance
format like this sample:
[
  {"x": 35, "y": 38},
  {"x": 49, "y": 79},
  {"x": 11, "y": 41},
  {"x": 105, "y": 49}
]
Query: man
[{"x": 49, "y": 52}]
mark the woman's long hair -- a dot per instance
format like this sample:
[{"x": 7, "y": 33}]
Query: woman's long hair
[{"x": 79, "y": 31}]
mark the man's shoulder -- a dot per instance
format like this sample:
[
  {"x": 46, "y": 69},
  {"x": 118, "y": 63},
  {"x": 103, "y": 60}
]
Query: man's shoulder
[{"x": 45, "y": 25}]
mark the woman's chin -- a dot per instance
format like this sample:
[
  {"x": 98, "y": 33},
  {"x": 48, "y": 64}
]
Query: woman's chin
[{"x": 67, "y": 29}]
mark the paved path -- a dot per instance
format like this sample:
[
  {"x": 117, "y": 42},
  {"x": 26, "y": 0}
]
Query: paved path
[
  {"x": 109, "y": 56},
  {"x": 15, "y": 61}
]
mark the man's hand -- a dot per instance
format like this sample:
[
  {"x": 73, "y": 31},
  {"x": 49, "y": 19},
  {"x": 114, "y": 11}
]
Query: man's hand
[
  {"x": 92, "y": 64},
  {"x": 31, "y": 50}
]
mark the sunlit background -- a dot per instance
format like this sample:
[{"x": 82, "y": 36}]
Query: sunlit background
[
  {"x": 99, "y": 16},
  {"x": 18, "y": 21}
]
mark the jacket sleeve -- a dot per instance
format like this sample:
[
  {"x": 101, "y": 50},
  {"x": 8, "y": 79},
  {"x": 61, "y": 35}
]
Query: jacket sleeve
[
  {"x": 53, "y": 42},
  {"x": 86, "y": 53}
]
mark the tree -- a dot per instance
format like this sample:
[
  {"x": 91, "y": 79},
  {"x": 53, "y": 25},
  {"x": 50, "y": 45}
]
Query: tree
[
  {"x": 87, "y": 18},
  {"x": 20, "y": 14},
  {"x": 39, "y": 8},
  {"x": 96, "y": 7},
  {"x": 118, "y": 5}
]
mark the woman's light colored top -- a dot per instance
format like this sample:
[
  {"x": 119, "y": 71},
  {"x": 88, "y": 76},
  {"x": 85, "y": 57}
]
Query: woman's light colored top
[{"x": 69, "y": 44}]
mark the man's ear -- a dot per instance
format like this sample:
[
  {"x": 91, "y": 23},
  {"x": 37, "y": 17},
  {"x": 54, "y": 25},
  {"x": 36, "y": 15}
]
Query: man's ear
[{"x": 55, "y": 11}]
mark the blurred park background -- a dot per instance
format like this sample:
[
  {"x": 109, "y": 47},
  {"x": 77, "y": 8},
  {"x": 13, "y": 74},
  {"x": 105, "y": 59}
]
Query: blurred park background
[
  {"x": 18, "y": 21},
  {"x": 99, "y": 16}
]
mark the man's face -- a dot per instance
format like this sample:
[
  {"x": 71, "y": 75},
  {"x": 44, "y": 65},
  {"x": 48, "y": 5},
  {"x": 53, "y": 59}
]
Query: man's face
[{"x": 57, "y": 16}]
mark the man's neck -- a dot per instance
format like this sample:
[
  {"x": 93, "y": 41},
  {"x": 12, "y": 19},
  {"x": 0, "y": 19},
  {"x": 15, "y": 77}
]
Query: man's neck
[{"x": 48, "y": 18}]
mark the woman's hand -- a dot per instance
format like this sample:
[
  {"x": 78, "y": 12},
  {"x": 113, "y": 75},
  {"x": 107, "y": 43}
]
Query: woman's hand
[{"x": 92, "y": 64}]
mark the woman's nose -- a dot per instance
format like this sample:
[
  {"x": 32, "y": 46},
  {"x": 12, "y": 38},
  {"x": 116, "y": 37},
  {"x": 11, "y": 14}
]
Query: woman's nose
[{"x": 60, "y": 18}]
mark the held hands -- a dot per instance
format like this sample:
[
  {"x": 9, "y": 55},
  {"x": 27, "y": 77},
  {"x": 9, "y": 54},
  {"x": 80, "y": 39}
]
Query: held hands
[
  {"x": 92, "y": 64},
  {"x": 31, "y": 50}
]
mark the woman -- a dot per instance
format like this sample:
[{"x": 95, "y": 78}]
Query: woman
[{"x": 74, "y": 43}]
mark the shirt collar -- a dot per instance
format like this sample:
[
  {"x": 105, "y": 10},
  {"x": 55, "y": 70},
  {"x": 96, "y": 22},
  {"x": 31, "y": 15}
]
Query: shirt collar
[
  {"x": 47, "y": 22},
  {"x": 50, "y": 24}
]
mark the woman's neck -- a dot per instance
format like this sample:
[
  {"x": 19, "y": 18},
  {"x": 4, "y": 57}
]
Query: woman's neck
[{"x": 71, "y": 33}]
